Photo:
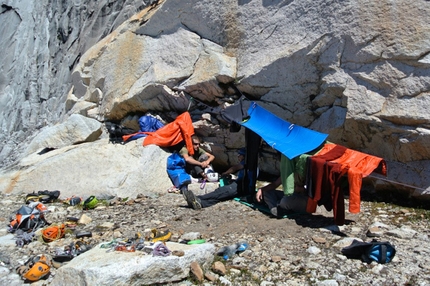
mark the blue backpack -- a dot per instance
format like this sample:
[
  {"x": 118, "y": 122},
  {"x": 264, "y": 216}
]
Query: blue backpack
[
  {"x": 381, "y": 252},
  {"x": 176, "y": 170}
]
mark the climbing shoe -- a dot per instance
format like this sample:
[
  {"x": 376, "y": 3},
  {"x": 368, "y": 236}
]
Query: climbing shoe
[
  {"x": 192, "y": 200},
  {"x": 33, "y": 197},
  {"x": 159, "y": 235},
  {"x": 35, "y": 268},
  {"x": 48, "y": 196}
]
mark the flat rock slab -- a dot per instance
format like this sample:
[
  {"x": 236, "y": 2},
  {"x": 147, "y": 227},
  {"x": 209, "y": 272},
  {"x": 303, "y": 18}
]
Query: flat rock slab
[
  {"x": 101, "y": 267},
  {"x": 7, "y": 240}
]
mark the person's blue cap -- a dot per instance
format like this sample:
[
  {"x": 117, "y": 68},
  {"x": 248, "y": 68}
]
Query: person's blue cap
[{"x": 241, "y": 151}]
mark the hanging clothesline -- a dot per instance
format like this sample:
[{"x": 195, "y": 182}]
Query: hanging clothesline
[{"x": 394, "y": 182}]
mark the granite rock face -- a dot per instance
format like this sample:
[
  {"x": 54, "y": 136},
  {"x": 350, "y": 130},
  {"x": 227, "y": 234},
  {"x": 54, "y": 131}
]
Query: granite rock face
[
  {"x": 41, "y": 43},
  {"x": 358, "y": 71}
]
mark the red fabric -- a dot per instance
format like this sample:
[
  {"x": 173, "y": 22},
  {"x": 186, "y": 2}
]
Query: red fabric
[
  {"x": 326, "y": 171},
  {"x": 311, "y": 206},
  {"x": 181, "y": 129},
  {"x": 319, "y": 169},
  {"x": 326, "y": 181},
  {"x": 359, "y": 165}
]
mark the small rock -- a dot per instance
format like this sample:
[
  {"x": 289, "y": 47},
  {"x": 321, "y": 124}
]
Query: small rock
[
  {"x": 117, "y": 234},
  {"x": 174, "y": 237},
  {"x": 178, "y": 253},
  {"x": 191, "y": 236},
  {"x": 219, "y": 268},
  {"x": 345, "y": 242},
  {"x": 374, "y": 232},
  {"x": 156, "y": 222},
  {"x": 84, "y": 219},
  {"x": 313, "y": 250},
  {"x": 403, "y": 232},
  {"x": 276, "y": 258},
  {"x": 4, "y": 271},
  {"x": 318, "y": 239},
  {"x": 211, "y": 276},
  {"x": 197, "y": 271},
  {"x": 377, "y": 268},
  {"x": 327, "y": 283},
  {"x": 224, "y": 281},
  {"x": 115, "y": 201},
  {"x": 262, "y": 268},
  {"x": 107, "y": 225},
  {"x": 129, "y": 202},
  {"x": 266, "y": 283}
]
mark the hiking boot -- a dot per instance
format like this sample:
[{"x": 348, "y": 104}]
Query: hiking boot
[{"x": 192, "y": 200}]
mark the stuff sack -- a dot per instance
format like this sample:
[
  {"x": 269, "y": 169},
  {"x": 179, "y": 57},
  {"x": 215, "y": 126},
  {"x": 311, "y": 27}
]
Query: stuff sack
[
  {"x": 29, "y": 217},
  {"x": 149, "y": 124},
  {"x": 176, "y": 170},
  {"x": 116, "y": 131},
  {"x": 381, "y": 252}
]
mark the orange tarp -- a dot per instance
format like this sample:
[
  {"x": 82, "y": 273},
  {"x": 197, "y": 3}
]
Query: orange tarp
[{"x": 181, "y": 129}]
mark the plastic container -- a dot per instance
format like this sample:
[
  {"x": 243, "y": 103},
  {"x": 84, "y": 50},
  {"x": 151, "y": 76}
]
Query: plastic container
[
  {"x": 222, "y": 182},
  {"x": 228, "y": 251}
]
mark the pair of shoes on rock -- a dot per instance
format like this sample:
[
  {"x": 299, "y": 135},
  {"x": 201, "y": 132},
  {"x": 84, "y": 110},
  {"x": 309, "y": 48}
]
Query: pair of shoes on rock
[
  {"x": 42, "y": 196},
  {"x": 191, "y": 199}
]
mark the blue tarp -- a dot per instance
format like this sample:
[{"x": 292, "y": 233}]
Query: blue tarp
[{"x": 289, "y": 139}]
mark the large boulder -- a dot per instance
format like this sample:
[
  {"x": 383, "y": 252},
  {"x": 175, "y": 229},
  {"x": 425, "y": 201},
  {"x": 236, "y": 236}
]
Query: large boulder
[
  {"x": 77, "y": 129},
  {"x": 99, "y": 168},
  {"x": 100, "y": 267}
]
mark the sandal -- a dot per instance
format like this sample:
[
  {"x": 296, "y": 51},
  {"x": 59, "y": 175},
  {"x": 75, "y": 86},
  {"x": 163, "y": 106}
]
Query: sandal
[{"x": 173, "y": 190}]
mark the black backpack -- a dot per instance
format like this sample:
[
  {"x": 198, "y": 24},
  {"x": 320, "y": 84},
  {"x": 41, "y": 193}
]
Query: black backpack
[
  {"x": 116, "y": 131},
  {"x": 381, "y": 252}
]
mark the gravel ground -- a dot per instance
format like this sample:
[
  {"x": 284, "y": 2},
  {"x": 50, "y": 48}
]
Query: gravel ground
[{"x": 299, "y": 250}]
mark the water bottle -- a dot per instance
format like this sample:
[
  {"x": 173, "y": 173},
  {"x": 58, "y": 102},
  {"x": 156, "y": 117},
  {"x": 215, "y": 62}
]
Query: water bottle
[
  {"x": 228, "y": 251},
  {"x": 242, "y": 246}
]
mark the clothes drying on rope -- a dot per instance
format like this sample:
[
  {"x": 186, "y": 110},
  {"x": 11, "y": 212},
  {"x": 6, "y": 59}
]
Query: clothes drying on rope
[
  {"x": 325, "y": 171},
  {"x": 298, "y": 145}
]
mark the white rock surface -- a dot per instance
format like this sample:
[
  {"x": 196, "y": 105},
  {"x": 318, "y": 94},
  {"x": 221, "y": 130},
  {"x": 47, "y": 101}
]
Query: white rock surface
[
  {"x": 99, "y": 267},
  {"x": 97, "y": 168}
]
